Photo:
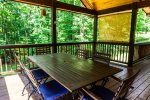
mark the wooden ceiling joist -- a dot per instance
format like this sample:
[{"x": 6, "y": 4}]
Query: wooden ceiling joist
[
  {"x": 73, "y": 8},
  {"x": 42, "y": 3},
  {"x": 77, "y": 9},
  {"x": 59, "y": 5},
  {"x": 141, "y": 4}
]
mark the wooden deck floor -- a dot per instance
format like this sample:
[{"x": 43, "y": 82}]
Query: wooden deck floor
[{"x": 11, "y": 86}]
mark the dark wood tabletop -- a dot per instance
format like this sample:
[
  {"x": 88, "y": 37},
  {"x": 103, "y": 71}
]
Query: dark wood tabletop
[{"x": 72, "y": 72}]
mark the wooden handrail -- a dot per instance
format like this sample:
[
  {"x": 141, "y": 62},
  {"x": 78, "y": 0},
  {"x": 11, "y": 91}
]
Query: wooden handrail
[{"x": 23, "y": 45}]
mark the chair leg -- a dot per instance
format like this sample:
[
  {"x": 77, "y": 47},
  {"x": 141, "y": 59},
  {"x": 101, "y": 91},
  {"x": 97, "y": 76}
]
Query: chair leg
[
  {"x": 24, "y": 88},
  {"x": 34, "y": 90},
  {"x": 105, "y": 80},
  {"x": 45, "y": 80}
]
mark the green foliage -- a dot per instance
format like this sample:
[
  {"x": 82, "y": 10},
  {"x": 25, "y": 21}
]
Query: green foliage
[
  {"x": 142, "y": 39},
  {"x": 142, "y": 27},
  {"x": 24, "y": 24},
  {"x": 74, "y": 2},
  {"x": 73, "y": 27}
]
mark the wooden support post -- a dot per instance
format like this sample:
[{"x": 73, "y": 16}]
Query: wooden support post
[
  {"x": 54, "y": 38},
  {"x": 95, "y": 33},
  {"x": 132, "y": 34}
]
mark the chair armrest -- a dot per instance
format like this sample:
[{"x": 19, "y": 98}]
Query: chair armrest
[
  {"x": 92, "y": 95},
  {"x": 116, "y": 78}
]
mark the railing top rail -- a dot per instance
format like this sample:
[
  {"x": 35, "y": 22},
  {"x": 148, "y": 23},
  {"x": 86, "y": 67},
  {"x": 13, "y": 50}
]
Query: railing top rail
[
  {"x": 144, "y": 43},
  {"x": 58, "y": 44},
  {"x": 114, "y": 42},
  {"x": 73, "y": 43},
  {"x": 23, "y": 45}
]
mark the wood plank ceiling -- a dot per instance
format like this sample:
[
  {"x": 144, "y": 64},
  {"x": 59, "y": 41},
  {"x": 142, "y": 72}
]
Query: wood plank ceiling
[{"x": 106, "y": 4}]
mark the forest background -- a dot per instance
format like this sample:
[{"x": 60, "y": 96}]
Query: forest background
[{"x": 24, "y": 24}]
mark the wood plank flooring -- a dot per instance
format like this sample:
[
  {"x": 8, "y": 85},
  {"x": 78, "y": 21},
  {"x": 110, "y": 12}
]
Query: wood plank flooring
[{"x": 11, "y": 86}]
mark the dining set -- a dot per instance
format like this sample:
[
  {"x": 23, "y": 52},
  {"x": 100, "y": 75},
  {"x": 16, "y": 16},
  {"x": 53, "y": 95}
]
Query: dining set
[{"x": 62, "y": 76}]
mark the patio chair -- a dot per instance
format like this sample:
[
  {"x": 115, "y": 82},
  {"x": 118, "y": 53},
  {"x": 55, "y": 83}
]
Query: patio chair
[
  {"x": 99, "y": 92},
  {"x": 82, "y": 53},
  {"x": 51, "y": 90},
  {"x": 38, "y": 74},
  {"x": 42, "y": 50},
  {"x": 102, "y": 57}
]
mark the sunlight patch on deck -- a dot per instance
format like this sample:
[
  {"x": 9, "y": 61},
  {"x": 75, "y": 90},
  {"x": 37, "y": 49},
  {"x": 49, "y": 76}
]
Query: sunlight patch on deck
[{"x": 15, "y": 85}]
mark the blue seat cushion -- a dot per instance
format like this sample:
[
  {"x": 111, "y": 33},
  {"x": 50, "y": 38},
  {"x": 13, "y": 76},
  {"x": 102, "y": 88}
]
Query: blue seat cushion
[
  {"x": 52, "y": 90},
  {"x": 86, "y": 97},
  {"x": 39, "y": 74},
  {"x": 103, "y": 92}
]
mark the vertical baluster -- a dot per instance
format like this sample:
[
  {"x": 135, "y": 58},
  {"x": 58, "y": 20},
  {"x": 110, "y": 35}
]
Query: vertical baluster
[
  {"x": 5, "y": 60},
  {"x": 98, "y": 47},
  {"x": 107, "y": 47},
  {"x": 32, "y": 50},
  {"x": 120, "y": 53},
  {"x": 120, "y": 59},
  {"x": 61, "y": 48},
  {"x": 1, "y": 65},
  {"x": 127, "y": 51},
  {"x": 71, "y": 52},
  {"x": 15, "y": 51},
  {"x": 28, "y": 50},
  {"x": 123, "y": 51},
  {"x": 24, "y": 56},
  {"x": 110, "y": 50},
  {"x": 115, "y": 52},
  {"x": 10, "y": 59},
  {"x": 112, "y": 54},
  {"x": 103, "y": 47},
  {"x": 51, "y": 49},
  {"x": 74, "y": 49},
  {"x": 58, "y": 48}
]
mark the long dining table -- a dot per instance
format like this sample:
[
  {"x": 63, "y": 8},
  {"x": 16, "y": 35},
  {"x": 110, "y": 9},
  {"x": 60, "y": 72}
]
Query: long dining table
[{"x": 72, "y": 72}]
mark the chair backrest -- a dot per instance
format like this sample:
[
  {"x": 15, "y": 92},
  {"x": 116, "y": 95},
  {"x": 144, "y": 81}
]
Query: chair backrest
[
  {"x": 101, "y": 57},
  {"x": 82, "y": 53},
  {"x": 125, "y": 86},
  {"x": 31, "y": 78},
  {"x": 28, "y": 74},
  {"x": 42, "y": 50},
  {"x": 19, "y": 61}
]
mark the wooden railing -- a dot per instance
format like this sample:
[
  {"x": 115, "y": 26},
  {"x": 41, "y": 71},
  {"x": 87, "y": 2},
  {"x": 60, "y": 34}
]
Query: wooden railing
[
  {"x": 118, "y": 51},
  {"x": 71, "y": 48},
  {"x": 8, "y": 60},
  {"x": 141, "y": 51}
]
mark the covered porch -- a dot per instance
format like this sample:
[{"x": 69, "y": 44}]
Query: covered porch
[{"x": 125, "y": 53}]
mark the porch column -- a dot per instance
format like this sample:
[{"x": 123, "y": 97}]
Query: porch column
[
  {"x": 53, "y": 15},
  {"x": 132, "y": 34},
  {"x": 95, "y": 33}
]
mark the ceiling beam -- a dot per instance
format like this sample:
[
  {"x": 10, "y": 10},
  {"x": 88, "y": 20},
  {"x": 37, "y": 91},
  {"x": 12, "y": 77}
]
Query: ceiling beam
[
  {"x": 42, "y": 3},
  {"x": 73, "y": 8},
  {"x": 115, "y": 9},
  {"x": 59, "y": 5},
  {"x": 124, "y": 7},
  {"x": 143, "y": 4}
]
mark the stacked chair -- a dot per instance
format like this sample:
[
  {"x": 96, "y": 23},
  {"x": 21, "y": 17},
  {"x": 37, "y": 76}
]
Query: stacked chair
[
  {"x": 101, "y": 57},
  {"x": 82, "y": 53}
]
